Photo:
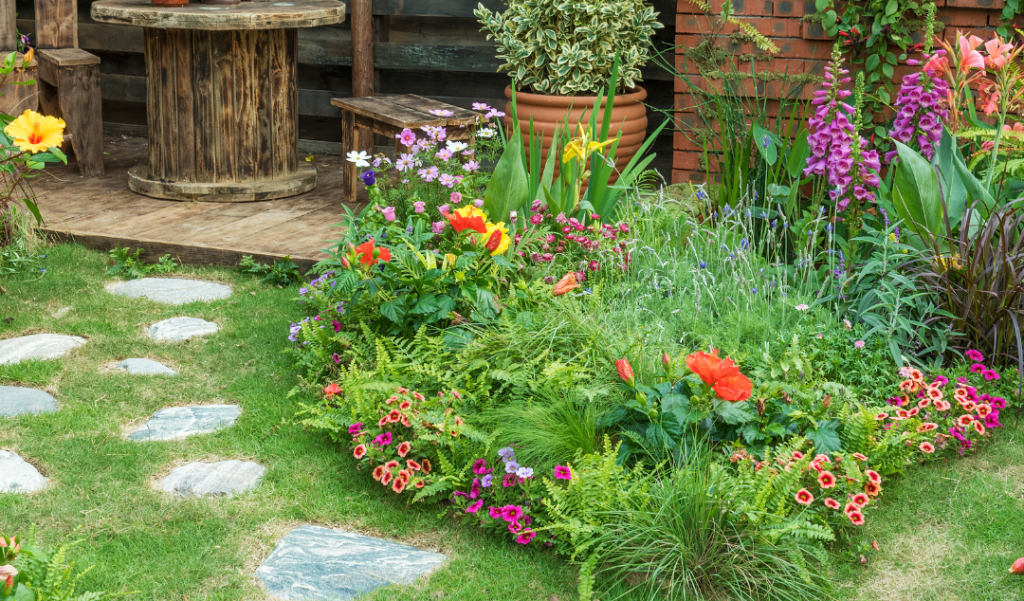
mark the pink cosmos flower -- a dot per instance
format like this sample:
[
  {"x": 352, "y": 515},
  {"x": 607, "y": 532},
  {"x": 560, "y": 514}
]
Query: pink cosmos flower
[
  {"x": 441, "y": 113},
  {"x": 456, "y": 197},
  {"x": 429, "y": 174},
  {"x": 478, "y": 203},
  {"x": 407, "y": 138},
  {"x": 480, "y": 106},
  {"x": 471, "y": 166},
  {"x": 475, "y": 507},
  {"x": 562, "y": 472},
  {"x": 405, "y": 162},
  {"x": 444, "y": 154},
  {"x": 446, "y": 180}
]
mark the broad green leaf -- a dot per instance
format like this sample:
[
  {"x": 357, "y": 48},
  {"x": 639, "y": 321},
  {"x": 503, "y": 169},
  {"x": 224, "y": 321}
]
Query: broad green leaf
[
  {"x": 765, "y": 144},
  {"x": 825, "y": 437},
  {"x": 798, "y": 155},
  {"x": 915, "y": 194},
  {"x": 734, "y": 413},
  {"x": 509, "y": 186},
  {"x": 872, "y": 62}
]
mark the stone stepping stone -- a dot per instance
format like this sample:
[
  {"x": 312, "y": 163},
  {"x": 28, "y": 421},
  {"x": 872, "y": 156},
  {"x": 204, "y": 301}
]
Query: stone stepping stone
[
  {"x": 222, "y": 478},
  {"x": 181, "y": 328},
  {"x": 172, "y": 291},
  {"x": 18, "y": 475},
  {"x": 37, "y": 346},
  {"x": 312, "y": 562},
  {"x": 15, "y": 400},
  {"x": 175, "y": 423},
  {"x": 145, "y": 367}
]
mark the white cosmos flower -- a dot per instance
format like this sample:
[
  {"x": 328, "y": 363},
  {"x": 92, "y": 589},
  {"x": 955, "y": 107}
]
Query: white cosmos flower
[
  {"x": 360, "y": 158},
  {"x": 457, "y": 146}
]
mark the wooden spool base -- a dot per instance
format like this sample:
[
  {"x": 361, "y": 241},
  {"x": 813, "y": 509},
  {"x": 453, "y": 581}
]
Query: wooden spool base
[{"x": 302, "y": 180}]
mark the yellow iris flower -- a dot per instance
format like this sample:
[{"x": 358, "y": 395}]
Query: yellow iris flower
[
  {"x": 33, "y": 132},
  {"x": 582, "y": 147}
]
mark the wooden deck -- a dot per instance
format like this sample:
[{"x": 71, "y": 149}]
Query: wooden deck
[{"x": 102, "y": 212}]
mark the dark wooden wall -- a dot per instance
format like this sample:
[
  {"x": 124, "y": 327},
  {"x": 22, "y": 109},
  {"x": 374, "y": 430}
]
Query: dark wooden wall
[{"x": 428, "y": 47}]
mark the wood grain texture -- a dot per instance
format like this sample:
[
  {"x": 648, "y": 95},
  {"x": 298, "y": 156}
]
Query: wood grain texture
[
  {"x": 362, "y": 47},
  {"x": 8, "y": 26},
  {"x": 17, "y": 99},
  {"x": 247, "y": 15},
  {"x": 301, "y": 180},
  {"x": 58, "y": 24}
]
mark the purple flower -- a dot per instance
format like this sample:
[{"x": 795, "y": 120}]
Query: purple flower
[
  {"x": 368, "y": 177},
  {"x": 495, "y": 512},
  {"x": 486, "y": 481},
  {"x": 506, "y": 453},
  {"x": 525, "y": 472},
  {"x": 511, "y": 466}
]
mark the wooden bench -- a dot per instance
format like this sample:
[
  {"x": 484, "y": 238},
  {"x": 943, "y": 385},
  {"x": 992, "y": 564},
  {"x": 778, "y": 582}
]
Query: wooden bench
[{"x": 388, "y": 116}]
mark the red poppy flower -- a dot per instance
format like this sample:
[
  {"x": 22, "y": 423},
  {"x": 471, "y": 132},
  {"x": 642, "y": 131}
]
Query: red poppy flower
[
  {"x": 721, "y": 374},
  {"x": 734, "y": 388},
  {"x": 704, "y": 365},
  {"x": 462, "y": 222},
  {"x": 365, "y": 253}
]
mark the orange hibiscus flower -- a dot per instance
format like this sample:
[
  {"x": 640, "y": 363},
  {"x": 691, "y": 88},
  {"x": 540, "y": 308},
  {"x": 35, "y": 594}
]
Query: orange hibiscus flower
[
  {"x": 365, "y": 253},
  {"x": 468, "y": 218},
  {"x": 722, "y": 375}
]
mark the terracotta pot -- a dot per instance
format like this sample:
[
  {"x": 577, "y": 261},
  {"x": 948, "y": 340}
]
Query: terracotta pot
[
  {"x": 169, "y": 2},
  {"x": 549, "y": 113},
  {"x": 222, "y": 2}
]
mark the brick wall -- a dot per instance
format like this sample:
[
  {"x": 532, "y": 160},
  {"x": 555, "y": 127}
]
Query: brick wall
[{"x": 803, "y": 51}]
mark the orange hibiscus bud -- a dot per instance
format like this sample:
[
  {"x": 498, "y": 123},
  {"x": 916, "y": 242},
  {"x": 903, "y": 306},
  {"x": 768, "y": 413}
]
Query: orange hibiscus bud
[
  {"x": 1017, "y": 567},
  {"x": 625, "y": 370},
  {"x": 565, "y": 284}
]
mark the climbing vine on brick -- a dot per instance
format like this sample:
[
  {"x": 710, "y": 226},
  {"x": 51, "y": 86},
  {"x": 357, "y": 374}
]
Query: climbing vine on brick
[{"x": 876, "y": 35}]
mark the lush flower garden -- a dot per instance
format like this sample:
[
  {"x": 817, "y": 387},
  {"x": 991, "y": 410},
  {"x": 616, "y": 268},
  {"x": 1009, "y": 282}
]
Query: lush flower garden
[{"x": 597, "y": 368}]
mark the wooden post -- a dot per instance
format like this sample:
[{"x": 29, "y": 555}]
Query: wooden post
[
  {"x": 56, "y": 24},
  {"x": 8, "y": 26},
  {"x": 362, "y": 48}
]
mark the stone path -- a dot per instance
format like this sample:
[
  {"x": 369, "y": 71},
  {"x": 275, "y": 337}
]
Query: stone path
[
  {"x": 18, "y": 475},
  {"x": 172, "y": 291},
  {"x": 221, "y": 478},
  {"x": 175, "y": 423},
  {"x": 15, "y": 400},
  {"x": 145, "y": 367},
  {"x": 37, "y": 346},
  {"x": 181, "y": 328},
  {"x": 312, "y": 562}
]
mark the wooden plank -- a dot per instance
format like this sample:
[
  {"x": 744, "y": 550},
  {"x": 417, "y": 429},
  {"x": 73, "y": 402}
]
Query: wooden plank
[
  {"x": 101, "y": 219},
  {"x": 246, "y": 118},
  {"x": 59, "y": 24},
  {"x": 166, "y": 103},
  {"x": 16, "y": 99},
  {"x": 68, "y": 57},
  {"x": 247, "y": 15},
  {"x": 302, "y": 236},
  {"x": 264, "y": 100},
  {"x": 224, "y": 123},
  {"x": 362, "y": 48},
  {"x": 382, "y": 109},
  {"x": 168, "y": 212},
  {"x": 82, "y": 105},
  {"x": 204, "y": 105},
  {"x": 8, "y": 26},
  {"x": 285, "y": 101},
  {"x": 154, "y": 51},
  {"x": 434, "y": 8},
  {"x": 459, "y": 116},
  {"x": 184, "y": 114}
]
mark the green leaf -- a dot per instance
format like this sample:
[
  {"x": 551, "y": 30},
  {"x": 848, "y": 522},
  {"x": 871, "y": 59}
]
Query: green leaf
[
  {"x": 916, "y": 193},
  {"x": 872, "y": 62},
  {"x": 825, "y": 437},
  {"x": 734, "y": 413},
  {"x": 798, "y": 155},
  {"x": 427, "y": 303},
  {"x": 678, "y": 405},
  {"x": 765, "y": 144},
  {"x": 394, "y": 309},
  {"x": 509, "y": 186}
]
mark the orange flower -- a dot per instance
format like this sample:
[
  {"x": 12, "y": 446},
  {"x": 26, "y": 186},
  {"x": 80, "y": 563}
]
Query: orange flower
[
  {"x": 404, "y": 475},
  {"x": 964, "y": 420},
  {"x": 420, "y": 483},
  {"x": 332, "y": 390},
  {"x": 872, "y": 489},
  {"x": 404, "y": 448},
  {"x": 390, "y": 465},
  {"x": 565, "y": 284},
  {"x": 734, "y": 388},
  {"x": 860, "y": 456},
  {"x": 704, "y": 365},
  {"x": 625, "y": 370},
  {"x": 927, "y": 427},
  {"x": 979, "y": 428},
  {"x": 804, "y": 497},
  {"x": 368, "y": 254},
  {"x": 721, "y": 374},
  {"x": 387, "y": 478},
  {"x": 468, "y": 218}
]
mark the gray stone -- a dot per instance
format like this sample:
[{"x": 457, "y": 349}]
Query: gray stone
[
  {"x": 15, "y": 400},
  {"x": 172, "y": 291},
  {"x": 222, "y": 478},
  {"x": 181, "y": 328},
  {"x": 18, "y": 475},
  {"x": 174, "y": 423},
  {"x": 312, "y": 562},
  {"x": 146, "y": 367},
  {"x": 37, "y": 346}
]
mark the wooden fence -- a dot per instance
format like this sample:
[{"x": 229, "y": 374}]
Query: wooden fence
[{"x": 428, "y": 47}]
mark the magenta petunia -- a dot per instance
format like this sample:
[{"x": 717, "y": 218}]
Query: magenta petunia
[
  {"x": 526, "y": 537},
  {"x": 480, "y": 467},
  {"x": 978, "y": 368},
  {"x": 975, "y": 356},
  {"x": 475, "y": 507},
  {"x": 562, "y": 472},
  {"x": 990, "y": 374},
  {"x": 511, "y": 513}
]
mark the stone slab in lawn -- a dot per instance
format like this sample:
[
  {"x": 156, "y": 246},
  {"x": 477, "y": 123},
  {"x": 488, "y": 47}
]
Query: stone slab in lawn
[
  {"x": 37, "y": 346},
  {"x": 172, "y": 291},
  {"x": 221, "y": 478},
  {"x": 145, "y": 367},
  {"x": 174, "y": 423},
  {"x": 15, "y": 400},
  {"x": 18, "y": 475},
  {"x": 318, "y": 563},
  {"x": 181, "y": 328}
]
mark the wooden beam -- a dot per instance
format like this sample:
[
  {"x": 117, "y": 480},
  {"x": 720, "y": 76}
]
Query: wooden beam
[
  {"x": 59, "y": 19},
  {"x": 433, "y": 8},
  {"x": 362, "y": 47},
  {"x": 8, "y": 26}
]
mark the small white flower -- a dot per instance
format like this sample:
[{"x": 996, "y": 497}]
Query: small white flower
[
  {"x": 360, "y": 158},
  {"x": 801, "y": 307},
  {"x": 487, "y": 132},
  {"x": 441, "y": 113},
  {"x": 456, "y": 146},
  {"x": 513, "y": 215}
]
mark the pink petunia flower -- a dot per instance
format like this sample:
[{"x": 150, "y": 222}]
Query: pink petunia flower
[
  {"x": 475, "y": 507},
  {"x": 562, "y": 472}
]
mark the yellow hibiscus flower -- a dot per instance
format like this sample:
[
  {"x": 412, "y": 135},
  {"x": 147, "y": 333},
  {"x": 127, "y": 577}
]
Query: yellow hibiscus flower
[
  {"x": 33, "y": 132},
  {"x": 496, "y": 239}
]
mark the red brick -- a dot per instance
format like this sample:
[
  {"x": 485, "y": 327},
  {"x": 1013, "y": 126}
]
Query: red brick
[
  {"x": 813, "y": 31},
  {"x": 964, "y": 17},
  {"x": 806, "y": 49},
  {"x": 983, "y": 4},
  {"x": 749, "y": 8},
  {"x": 689, "y": 161},
  {"x": 680, "y": 176},
  {"x": 793, "y": 8}
]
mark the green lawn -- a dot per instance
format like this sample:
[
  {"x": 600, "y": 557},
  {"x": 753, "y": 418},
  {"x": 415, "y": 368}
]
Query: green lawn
[
  {"x": 948, "y": 531},
  {"x": 167, "y": 548}
]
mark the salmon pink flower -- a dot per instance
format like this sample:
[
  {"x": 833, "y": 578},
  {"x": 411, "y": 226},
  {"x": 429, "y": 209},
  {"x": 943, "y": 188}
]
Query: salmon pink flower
[
  {"x": 927, "y": 447},
  {"x": 860, "y": 456},
  {"x": 969, "y": 57},
  {"x": 332, "y": 390},
  {"x": 1017, "y": 567},
  {"x": 404, "y": 448},
  {"x": 860, "y": 499},
  {"x": 412, "y": 465},
  {"x": 873, "y": 476},
  {"x": 983, "y": 410},
  {"x": 826, "y": 480},
  {"x": 850, "y": 508},
  {"x": 359, "y": 451},
  {"x": 625, "y": 370},
  {"x": 387, "y": 478},
  {"x": 378, "y": 472},
  {"x": 565, "y": 284},
  {"x": 996, "y": 59},
  {"x": 856, "y": 517},
  {"x": 804, "y": 497},
  {"x": 927, "y": 427},
  {"x": 872, "y": 489},
  {"x": 399, "y": 485},
  {"x": 832, "y": 503},
  {"x": 979, "y": 428},
  {"x": 964, "y": 420},
  {"x": 426, "y": 466}
]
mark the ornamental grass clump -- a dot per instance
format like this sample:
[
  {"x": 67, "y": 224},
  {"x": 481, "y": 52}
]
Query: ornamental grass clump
[{"x": 568, "y": 48}]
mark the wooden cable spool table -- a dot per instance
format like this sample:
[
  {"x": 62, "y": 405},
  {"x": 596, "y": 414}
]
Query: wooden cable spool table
[{"x": 222, "y": 97}]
